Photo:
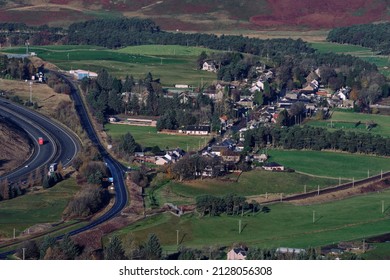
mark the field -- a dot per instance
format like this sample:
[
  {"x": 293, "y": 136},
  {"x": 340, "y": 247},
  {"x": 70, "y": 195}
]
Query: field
[
  {"x": 172, "y": 64},
  {"x": 147, "y": 136},
  {"x": 284, "y": 225},
  {"x": 331, "y": 164},
  {"x": 382, "y": 62},
  {"x": 347, "y": 120},
  {"x": 40, "y": 207},
  {"x": 251, "y": 183}
]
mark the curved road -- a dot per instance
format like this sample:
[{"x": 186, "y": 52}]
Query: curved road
[{"x": 117, "y": 170}]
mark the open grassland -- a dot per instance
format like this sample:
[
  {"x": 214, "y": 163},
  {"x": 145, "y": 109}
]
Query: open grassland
[
  {"x": 381, "y": 61},
  {"x": 256, "y": 182},
  {"x": 379, "y": 251},
  {"x": 173, "y": 65},
  {"x": 346, "y": 166},
  {"x": 284, "y": 225},
  {"x": 147, "y": 136},
  {"x": 347, "y": 120},
  {"x": 45, "y": 206}
]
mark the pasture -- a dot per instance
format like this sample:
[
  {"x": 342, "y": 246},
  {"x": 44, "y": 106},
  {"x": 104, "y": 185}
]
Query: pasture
[
  {"x": 147, "y": 136},
  {"x": 171, "y": 64},
  {"x": 381, "y": 61},
  {"x": 45, "y": 206},
  {"x": 331, "y": 164},
  {"x": 253, "y": 183},
  {"x": 347, "y": 120},
  {"x": 285, "y": 225}
]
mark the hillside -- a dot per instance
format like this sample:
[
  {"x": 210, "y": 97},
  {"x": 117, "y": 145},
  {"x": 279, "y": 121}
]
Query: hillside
[
  {"x": 203, "y": 15},
  {"x": 15, "y": 148}
]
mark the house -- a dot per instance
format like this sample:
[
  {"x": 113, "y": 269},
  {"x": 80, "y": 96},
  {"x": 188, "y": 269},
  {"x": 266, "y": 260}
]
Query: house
[
  {"x": 239, "y": 146},
  {"x": 273, "y": 166},
  {"x": 230, "y": 156},
  {"x": 237, "y": 254},
  {"x": 260, "y": 157},
  {"x": 209, "y": 66},
  {"x": 285, "y": 250},
  {"x": 217, "y": 150},
  {"x": 246, "y": 102},
  {"x": 196, "y": 130},
  {"x": 162, "y": 160}
]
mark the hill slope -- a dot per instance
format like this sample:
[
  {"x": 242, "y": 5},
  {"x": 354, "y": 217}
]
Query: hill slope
[{"x": 203, "y": 14}]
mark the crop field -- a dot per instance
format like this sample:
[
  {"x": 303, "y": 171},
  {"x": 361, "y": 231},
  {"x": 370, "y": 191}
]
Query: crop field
[
  {"x": 348, "y": 120},
  {"x": 36, "y": 208},
  {"x": 331, "y": 164},
  {"x": 147, "y": 136},
  {"x": 173, "y": 65},
  {"x": 284, "y": 225}
]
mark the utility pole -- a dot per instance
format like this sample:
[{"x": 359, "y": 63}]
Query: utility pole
[
  {"x": 339, "y": 181},
  {"x": 14, "y": 233},
  {"x": 314, "y": 216},
  {"x": 239, "y": 226},
  {"x": 177, "y": 237},
  {"x": 304, "y": 188},
  {"x": 353, "y": 182},
  {"x": 24, "y": 253},
  {"x": 281, "y": 197},
  {"x": 30, "y": 83},
  {"x": 368, "y": 173},
  {"x": 318, "y": 190}
]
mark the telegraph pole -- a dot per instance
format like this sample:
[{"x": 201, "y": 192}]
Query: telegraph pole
[
  {"x": 383, "y": 206},
  {"x": 177, "y": 237},
  {"x": 314, "y": 216},
  {"x": 239, "y": 226}
]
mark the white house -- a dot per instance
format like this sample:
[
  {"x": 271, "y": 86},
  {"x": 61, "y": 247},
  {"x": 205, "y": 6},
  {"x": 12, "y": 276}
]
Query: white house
[{"x": 209, "y": 66}]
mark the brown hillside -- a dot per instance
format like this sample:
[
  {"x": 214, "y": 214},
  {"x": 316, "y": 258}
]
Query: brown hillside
[
  {"x": 15, "y": 148},
  {"x": 203, "y": 15}
]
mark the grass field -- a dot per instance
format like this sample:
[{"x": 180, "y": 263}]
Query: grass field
[
  {"x": 331, "y": 164},
  {"x": 148, "y": 137},
  {"x": 285, "y": 225},
  {"x": 41, "y": 207},
  {"x": 383, "y": 62},
  {"x": 172, "y": 64},
  {"x": 347, "y": 120},
  {"x": 256, "y": 182}
]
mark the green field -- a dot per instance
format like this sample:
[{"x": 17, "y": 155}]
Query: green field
[
  {"x": 285, "y": 225},
  {"x": 39, "y": 207},
  {"x": 253, "y": 183},
  {"x": 331, "y": 164},
  {"x": 147, "y": 136},
  {"x": 172, "y": 64},
  {"x": 347, "y": 120},
  {"x": 383, "y": 62}
]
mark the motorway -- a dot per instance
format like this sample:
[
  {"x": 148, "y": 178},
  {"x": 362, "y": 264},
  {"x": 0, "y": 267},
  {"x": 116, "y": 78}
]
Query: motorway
[
  {"x": 60, "y": 145},
  {"x": 66, "y": 150}
]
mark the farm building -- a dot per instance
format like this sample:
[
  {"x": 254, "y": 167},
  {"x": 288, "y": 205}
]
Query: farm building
[
  {"x": 81, "y": 74},
  {"x": 273, "y": 166},
  {"x": 196, "y": 130}
]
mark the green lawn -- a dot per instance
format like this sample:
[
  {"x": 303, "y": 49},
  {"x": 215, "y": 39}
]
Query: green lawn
[
  {"x": 331, "y": 164},
  {"x": 165, "y": 50},
  {"x": 347, "y": 120},
  {"x": 285, "y": 225},
  {"x": 148, "y": 137},
  {"x": 39, "y": 207}
]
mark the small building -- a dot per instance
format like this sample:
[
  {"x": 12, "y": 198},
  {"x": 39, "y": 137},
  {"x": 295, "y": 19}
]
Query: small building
[
  {"x": 260, "y": 157},
  {"x": 273, "y": 166},
  {"x": 230, "y": 156},
  {"x": 196, "y": 130},
  {"x": 237, "y": 254},
  {"x": 81, "y": 74}
]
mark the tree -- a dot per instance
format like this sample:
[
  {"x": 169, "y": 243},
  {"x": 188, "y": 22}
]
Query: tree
[
  {"x": 47, "y": 242},
  {"x": 114, "y": 250},
  {"x": 152, "y": 248},
  {"x": 127, "y": 144},
  {"x": 69, "y": 248},
  {"x": 31, "y": 250}
]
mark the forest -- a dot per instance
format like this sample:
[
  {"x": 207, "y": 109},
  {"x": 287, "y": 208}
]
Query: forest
[{"x": 374, "y": 36}]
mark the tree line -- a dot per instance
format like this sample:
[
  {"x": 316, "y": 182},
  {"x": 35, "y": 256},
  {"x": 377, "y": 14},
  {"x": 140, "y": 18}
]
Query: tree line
[
  {"x": 374, "y": 36},
  {"x": 315, "y": 138}
]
